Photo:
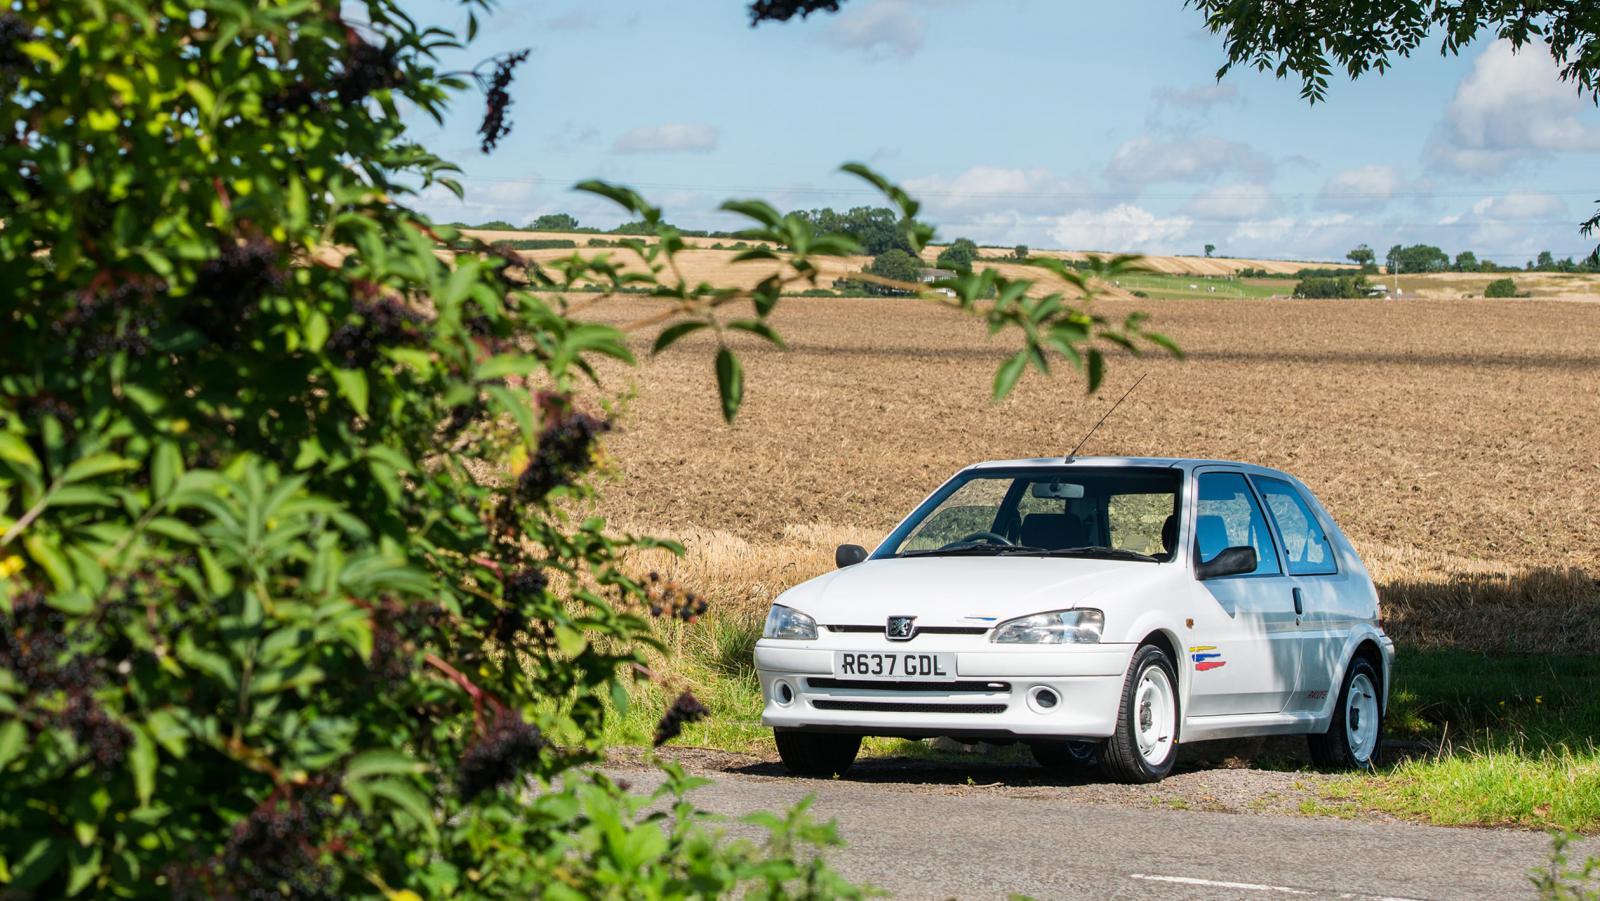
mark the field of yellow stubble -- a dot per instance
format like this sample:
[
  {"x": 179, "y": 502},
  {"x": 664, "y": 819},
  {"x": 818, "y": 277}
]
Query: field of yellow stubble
[{"x": 1457, "y": 443}]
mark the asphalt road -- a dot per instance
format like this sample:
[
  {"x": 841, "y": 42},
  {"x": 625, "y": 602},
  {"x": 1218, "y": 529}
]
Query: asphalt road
[{"x": 933, "y": 844}]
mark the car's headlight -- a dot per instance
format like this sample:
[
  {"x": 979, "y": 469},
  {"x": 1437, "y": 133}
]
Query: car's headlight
[
  {"x": 1080, "y": 626},
  {"x": 787, "y": 622}
]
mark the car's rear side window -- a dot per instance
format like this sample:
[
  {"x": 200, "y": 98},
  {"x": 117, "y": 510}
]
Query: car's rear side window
[
  {"x": 1305, "y": 543},
  {"x": 1228, "y": 516}
]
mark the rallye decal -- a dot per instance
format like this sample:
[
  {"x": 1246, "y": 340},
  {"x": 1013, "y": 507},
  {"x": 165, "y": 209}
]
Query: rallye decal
[{"x": 1206, "y": 657}]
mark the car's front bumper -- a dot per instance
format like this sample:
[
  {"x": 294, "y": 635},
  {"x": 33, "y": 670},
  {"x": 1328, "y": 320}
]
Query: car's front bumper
[{"x": 996, "y": 693}]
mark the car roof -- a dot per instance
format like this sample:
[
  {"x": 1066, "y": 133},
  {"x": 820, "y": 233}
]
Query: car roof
[{"x": 1185, "y": 463}]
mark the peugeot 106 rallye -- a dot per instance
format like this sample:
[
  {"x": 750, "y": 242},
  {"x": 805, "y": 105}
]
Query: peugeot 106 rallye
[{"x": 1099, "y": 609}]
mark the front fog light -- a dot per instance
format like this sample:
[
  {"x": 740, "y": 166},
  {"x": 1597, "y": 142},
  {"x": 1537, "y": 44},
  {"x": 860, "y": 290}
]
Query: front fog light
[
  {"x": 787, "y": 622},
  {"x": 1080, "y": 626}
]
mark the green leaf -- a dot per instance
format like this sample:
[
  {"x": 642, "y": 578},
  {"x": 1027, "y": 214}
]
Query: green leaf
[
  {"x": 176, "y": 529},
  {"x": 72, "y": 603},
  {"x": 408, "y": 799},
  {"x": 50, "y": 559},
  {"x": 17, "y": 451},
  {"x": 1097, "y": 369},
  {"x": 142, "y": 763},
  {"x": 730, "y": 383},
  {"x": 672, "y": 333},
  {"x": 96, "y": 465},
  {"x": 166, "y": 465},
  {"x": 570, "y": 640},
  {"x": 14, "y": 741},
  {"x": 383, "y": 762},
  {"x": 1006, "y": 377},
  {"x": 759, "y": 327},
  {"x": 353, "y": 386}
]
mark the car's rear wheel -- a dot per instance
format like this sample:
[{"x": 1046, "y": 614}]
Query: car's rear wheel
[
  {"x": 1066, "y": 755},
  {"x": 817, "y": 753},
  {"x": 1145, "y": 744},
  {"x": 1355, "y": 734}
]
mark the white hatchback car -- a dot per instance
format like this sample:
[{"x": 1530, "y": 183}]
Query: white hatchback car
[{"x": 1099, "y": 609}]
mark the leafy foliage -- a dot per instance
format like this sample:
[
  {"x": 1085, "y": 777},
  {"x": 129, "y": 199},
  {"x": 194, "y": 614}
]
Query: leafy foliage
[
  {"x": 1500, "y": 287},
  {"x": 1338, "y": 286},
  {"x": 959, "y": 255},
  {"x": 298, "y": 591}
]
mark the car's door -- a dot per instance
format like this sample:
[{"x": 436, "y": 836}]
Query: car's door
[
  {"x": 1325, "y": 618},
  {"x": 1243, "y": 654}
]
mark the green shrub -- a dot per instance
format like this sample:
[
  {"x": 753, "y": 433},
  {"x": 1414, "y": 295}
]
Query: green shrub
[{"x": 1500, "y": 287}]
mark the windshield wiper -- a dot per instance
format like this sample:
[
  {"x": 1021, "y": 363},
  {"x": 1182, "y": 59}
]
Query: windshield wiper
[
  {"x": 1109, "y": 553},
  {"x": 976, "y": 550}
]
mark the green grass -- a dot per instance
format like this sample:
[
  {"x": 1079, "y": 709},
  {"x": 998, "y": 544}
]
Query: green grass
[
  {"x": 1177, "y": 287},
  {"x": 1496, "y": 740}
]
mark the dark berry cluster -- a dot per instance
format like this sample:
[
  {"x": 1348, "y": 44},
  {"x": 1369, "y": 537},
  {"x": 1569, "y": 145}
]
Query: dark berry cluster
[
  {"x": 385, "y": 322},
  {"x": 395, "y": 627},
  {"x": 668, "y": 597},
  {"x": 228, "y": 287},
  {"x": 34, "y": 646},
  {"x": 565, "y": 449},
  {"x": 115, "y": 312},
  {"x": 363, "y": 69},
  {"x": 498, "y": 754},
  {"x": 686, "y": 709},
  {"x": 497, "y": 100},
  {"x": 271, "y": 854},
  {"x": 104, "y": 739},
  {"x": 14, "y": 32}
]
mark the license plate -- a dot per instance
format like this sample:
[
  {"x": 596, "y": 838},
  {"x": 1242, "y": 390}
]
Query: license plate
[{"x": 896, "y": 665}]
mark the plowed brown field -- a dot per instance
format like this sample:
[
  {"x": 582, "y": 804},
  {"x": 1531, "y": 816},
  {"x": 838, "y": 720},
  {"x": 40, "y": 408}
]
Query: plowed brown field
[{"x": 1458, "y": 443}]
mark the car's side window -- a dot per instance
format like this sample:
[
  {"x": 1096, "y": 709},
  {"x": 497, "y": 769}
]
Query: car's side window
[
  {"x": 1305, "y": 543},
  {"x": 1227, "y": 515}
]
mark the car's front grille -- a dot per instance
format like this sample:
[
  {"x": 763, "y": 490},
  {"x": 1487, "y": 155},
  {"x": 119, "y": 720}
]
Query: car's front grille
[
  {"x": 901, "y": 707},
  {"x": 910, "y": 686},
  {"x": 920, "y": 630}
]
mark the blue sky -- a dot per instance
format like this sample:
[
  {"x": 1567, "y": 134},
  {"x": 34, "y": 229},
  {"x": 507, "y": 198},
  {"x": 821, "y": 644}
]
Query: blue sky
[{"x": 1077, "y": 125}]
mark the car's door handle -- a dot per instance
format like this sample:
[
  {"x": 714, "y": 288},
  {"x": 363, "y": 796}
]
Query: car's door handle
[{"x": 1299, "y": 603}]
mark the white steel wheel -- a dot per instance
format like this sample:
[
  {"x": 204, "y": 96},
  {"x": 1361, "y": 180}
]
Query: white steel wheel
[
  {"x": 1145, "y": 744},
  {"x": 1354, "y": 738},
  {"x": 1156, "y": 716},
  {"x": 1361, "y": 717}
]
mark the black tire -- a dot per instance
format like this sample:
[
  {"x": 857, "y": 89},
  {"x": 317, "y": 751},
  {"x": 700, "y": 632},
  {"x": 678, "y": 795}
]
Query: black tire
[
  {"x": 1120, "y": 759},
  {"x": 817, "y": 753},
  {"x": 1066, "y": 755},
  {"x": 1338, "y": 748}
]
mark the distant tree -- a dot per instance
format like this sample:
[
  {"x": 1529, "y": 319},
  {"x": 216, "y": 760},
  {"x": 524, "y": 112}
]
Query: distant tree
[
  {"x": 555, "y": 222},
  {"x": 1020, "y": 252},
  {"x": 961, "y": 253},
  {"x": 1466, "y": 261},
  {"x": 876, "y": 229},
  {"x": 1362, "y": 255},
  {"x": 1342, "y": 286},
  {"x": 1546, "y": 260},
  {"x": 896, "y": 264},
  {"x": 1417, "y": 258},
  {"x": 1500, "y": 287},
  {"x": 498, "y": 225},
  {"x": 1210, "y": 249}
]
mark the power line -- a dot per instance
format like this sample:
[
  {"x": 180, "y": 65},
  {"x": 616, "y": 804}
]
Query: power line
[{"x": 1025, "y": 195}]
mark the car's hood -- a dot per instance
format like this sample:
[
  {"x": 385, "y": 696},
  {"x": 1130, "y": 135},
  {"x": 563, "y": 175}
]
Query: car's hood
[{"x": 964, "y": 591}]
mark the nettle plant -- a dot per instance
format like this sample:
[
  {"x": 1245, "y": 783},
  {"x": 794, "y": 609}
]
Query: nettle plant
[{"x": 296, "y": 593}]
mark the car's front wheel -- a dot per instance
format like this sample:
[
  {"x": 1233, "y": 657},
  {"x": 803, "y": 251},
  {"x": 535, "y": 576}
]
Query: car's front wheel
[
  {"x": 1145, "y": 744},
  {"x": 817, "y": 753},
  {"x": 1356, "y": 731}
]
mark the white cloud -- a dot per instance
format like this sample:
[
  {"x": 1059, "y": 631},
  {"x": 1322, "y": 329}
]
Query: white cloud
[
  {"x": 1145, "y": 160},
  {"x": 1511, "y": 108},
  {"x": 1123, "y": 227},
  {"x": 884, "y": 29},
  {"x": 1233, "y": 202},
  {"x": 991, "y": 188},
  {"x": 1201, "y": 96},
  {"x": 673, "y": 137},
  {"x": 1520, "y": 205},
  {"x": 1363, "y": 188}
]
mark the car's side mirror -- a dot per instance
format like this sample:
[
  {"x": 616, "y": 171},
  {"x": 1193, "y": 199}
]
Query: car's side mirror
[
  {"x": 851, "y": 554},
  {"x": 1232, "y": 561}
]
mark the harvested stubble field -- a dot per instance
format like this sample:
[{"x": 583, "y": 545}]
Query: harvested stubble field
[{"x": 1454, "y": 441}]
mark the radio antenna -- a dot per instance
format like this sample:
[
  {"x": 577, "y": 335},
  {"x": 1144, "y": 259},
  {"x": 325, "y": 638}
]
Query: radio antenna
[{"x": 1097, "y": 425}]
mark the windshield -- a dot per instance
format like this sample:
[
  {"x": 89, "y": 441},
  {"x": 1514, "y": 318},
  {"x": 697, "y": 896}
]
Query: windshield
[{"x": 1110, "y": 512}]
